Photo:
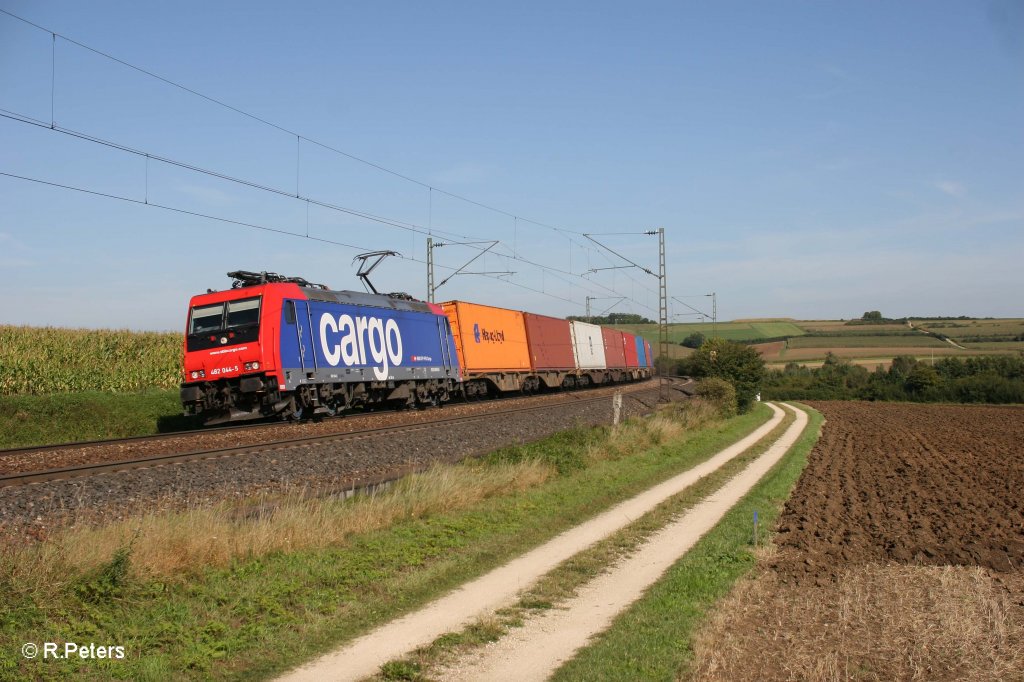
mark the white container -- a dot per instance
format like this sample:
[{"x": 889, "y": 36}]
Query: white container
[{"x": 588, "y": 346}]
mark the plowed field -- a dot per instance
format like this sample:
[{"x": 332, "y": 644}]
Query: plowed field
[
  {"x": 917, "y": 484},
  {"x": 899, "y": 556}
]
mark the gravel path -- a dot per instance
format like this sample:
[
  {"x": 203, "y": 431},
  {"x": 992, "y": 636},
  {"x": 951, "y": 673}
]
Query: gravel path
[
  {"x": 31, "y": 512},
  {"x": 498, "y": 588},
  {"x": 546, "y": 641}
]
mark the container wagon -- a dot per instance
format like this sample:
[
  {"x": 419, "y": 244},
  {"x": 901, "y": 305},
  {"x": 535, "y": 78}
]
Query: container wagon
[
  {"x": 629, "y": 348},
  {"x": 491, "y": 345},
  {"x": 641, "y": 351},
  {"x": 552, "y": 358},
  {"x": 588, "y": 343},
  {"x": 614, "y": 355}
]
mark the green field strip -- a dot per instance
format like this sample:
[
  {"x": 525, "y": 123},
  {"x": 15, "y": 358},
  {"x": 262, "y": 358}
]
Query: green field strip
[{"x": 861, "y": 341}]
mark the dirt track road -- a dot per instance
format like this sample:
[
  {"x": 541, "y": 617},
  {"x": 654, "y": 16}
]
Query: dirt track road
[
  {"x": 480, "y": 597},
  {"x": 546, "y": 641}
]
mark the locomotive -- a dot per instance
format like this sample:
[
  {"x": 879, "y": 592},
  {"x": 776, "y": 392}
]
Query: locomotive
[{"x": 275, "y": 345}]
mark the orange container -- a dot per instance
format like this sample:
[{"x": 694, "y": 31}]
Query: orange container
[{"x": 488, "y": 339}]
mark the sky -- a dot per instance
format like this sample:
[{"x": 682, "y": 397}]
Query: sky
[{"x": 812, "y": 160}]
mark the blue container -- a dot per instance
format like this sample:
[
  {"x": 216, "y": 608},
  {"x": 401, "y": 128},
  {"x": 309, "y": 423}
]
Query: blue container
[{"x": 641, "y": 352}]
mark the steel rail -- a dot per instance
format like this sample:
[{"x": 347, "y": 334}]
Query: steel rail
[
  {"x": 87, "y": 470},
  {"x": 242, "y": 427}
]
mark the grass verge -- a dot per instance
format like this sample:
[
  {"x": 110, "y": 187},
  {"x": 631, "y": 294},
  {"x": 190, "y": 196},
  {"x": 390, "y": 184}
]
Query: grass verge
[
  {"x": 64, "y": 417},
  {"x": 254, "y": 614},
  {"x": 562, "y": 583},
  {"x": 653, "y": 640}
]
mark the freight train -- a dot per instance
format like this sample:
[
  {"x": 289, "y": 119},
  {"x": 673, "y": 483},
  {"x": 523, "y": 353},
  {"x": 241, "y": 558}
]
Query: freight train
[{"x": 273, "y": 345}]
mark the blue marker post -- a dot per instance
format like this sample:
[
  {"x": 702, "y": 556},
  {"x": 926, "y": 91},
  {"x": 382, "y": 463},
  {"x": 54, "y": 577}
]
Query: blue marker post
[{"x": 755, "y": 528}]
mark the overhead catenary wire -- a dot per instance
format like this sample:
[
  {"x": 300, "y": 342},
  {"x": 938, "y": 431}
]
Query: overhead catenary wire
[
  {"x": 176, "y": 209},
  {"x": 430, "y": 229},
  {"x": 219, "y": 102},
  {"x": 283, "y": 129},
  {"x": 411, "y": 227},
  {"x": 242, "y": 223}
]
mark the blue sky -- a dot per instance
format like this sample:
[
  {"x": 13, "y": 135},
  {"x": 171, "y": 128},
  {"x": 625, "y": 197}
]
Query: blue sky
[{"x": 807, "y": 159}]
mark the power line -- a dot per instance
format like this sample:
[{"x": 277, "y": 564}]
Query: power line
[
  {"x": 411, "y": 227},
  {"x": 254, "y": 117},
  {"x": 198, "y": 214},
  {"x": 21, "y": 118},
  {"x": 299, "y": 139},
  {"x": 255, "y": 226}
]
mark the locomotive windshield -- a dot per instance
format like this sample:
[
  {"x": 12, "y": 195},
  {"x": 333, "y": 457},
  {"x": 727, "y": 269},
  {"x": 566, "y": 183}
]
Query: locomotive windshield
[
  {"x": 239, "y": 322},
  {"x": 206, "y": 318},
  {"x": 243, "y": 313}
]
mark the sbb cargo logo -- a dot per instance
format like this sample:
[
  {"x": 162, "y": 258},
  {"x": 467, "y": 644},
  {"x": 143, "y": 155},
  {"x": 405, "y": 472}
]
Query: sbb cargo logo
[
  {"x": 484, "y": 335},
  {"x": 358, "y": 335}
]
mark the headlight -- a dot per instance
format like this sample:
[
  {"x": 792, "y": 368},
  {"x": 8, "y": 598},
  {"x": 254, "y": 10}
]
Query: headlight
[{"x": 252, "y": 365}]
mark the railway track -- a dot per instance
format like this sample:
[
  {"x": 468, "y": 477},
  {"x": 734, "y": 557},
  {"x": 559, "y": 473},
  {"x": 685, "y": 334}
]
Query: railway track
[
  {"x": 77, "y": 445},
  {"x": 165, "y": 459},
  {"x": 244, "y": 428}
]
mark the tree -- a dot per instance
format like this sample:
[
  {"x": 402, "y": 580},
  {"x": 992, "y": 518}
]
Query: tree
[
  {"x": 694, "y": 340},
  {"x": 612, "y": 319},
  {"x": 901, "y": 366},
  {"x": 921, "y": 378},
  {"x": 740, "y": 365},
  {"x": 872, "y": 316}
]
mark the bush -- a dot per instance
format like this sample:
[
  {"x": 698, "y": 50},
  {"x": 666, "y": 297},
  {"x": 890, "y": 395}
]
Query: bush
[
  {"x": 989, "y": 379},
  {"x": 740, "y": 365},
  {"x": 719, "y": 393},
  {"x": 694, "y": 340}
]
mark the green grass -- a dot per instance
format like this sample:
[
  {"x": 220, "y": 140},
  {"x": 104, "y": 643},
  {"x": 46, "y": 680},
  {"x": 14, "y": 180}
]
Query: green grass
[
  {"x": 562, "y": 582},
  {"x": 994, "y": 345},
  {"x": 733, "y": 331},
  {"x": 260, "y": 616},
  {"x": 652, "y": 640},
  {"x": 861, "y": 341},
  {"x": 45, "y": 419},
  {"x": 1004, "y": 325}
]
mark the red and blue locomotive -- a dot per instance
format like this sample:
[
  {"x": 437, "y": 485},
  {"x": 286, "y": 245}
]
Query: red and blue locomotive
[{"x": 274, "y": 345}]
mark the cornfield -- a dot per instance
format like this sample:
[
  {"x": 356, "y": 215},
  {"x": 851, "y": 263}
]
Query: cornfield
[{"x": 54, "y": 360}]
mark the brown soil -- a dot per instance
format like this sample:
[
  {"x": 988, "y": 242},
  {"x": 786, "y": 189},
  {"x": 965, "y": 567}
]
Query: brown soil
[
  {"x": 913, "y": 484},
  {"x": 900, "y": 555},
  {"x": 875, "y": 624},
  {"x": 769, "y": 350}
]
